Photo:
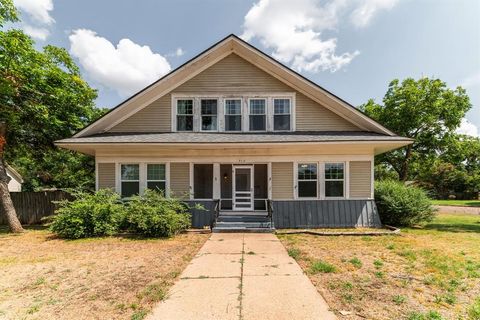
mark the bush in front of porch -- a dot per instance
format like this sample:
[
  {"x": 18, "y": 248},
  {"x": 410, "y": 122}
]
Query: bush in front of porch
[{"x": 103, "y": 213}]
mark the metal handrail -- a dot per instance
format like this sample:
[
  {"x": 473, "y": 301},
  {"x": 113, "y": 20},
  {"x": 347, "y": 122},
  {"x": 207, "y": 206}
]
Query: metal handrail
[{"x": 216, "y": 211}]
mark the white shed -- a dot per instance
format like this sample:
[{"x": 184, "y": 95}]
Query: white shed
[{"x": 15, "y": 184}]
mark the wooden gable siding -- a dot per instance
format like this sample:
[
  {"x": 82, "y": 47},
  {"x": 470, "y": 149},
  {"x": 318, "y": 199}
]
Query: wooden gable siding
[
  {"x": 360, "y": 179},
  {"x": 282, "y": 180},
  {"x": 106, "y": 175},
  {"x": 234, "y": 75}
]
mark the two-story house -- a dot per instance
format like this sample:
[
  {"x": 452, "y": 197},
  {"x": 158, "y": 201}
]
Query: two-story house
[{"x": 245, "y": 136}]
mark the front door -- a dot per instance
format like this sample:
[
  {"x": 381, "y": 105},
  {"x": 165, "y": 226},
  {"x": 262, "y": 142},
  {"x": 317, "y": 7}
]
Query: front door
[{"x": 242, "y": 188}]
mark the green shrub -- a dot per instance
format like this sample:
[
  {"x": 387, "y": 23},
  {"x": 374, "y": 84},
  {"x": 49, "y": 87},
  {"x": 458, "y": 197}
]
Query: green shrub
[
  {"x": 88, "y": 215},
  {"x": 401, "y": 205},
  {"x": 321, "y": 266},
  {"x": 153, "y": 215}
]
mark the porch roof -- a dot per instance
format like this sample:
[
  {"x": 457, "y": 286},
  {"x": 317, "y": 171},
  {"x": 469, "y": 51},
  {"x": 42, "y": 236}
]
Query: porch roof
[{"x": 230, "y": 137}]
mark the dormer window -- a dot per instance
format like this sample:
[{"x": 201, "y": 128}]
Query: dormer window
[
  {"x": 209, "y": 114},
  {"x": 257, "y": 114},
  {"x": 233, "y": 115},
  {"x": 281, "y": 114},
  {"x": 185, "y": 115},
  {"x": 233, "y": 112}
]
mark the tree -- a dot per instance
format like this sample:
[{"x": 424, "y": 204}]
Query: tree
[
  {"x": 7, "y": 13},
  {"x": 6, "y": 201},
  {"x": 425, "y": 110},
  {"x": 43, "y": 98}
]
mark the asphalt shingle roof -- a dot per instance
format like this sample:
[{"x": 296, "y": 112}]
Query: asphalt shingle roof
[{"x": 222, "y": 137}]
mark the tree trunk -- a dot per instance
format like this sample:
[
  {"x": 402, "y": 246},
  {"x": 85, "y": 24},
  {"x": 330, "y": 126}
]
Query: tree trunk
[
  {"x": 6, "y": 203},
  {"x": 404, "y": 171}
]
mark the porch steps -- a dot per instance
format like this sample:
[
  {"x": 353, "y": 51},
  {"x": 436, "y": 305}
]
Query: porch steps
[{"x": 243, "y": 223}]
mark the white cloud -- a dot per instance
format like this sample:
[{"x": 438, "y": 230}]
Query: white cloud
[
  {"x": 126, "y": 67},
  {"x": 179, "y": 52},
  {"x": 296, "y": 32},
  {"x": 39, "y": 10},
  {"x": 468, "y": 128},
  {"x": 363, "y": 14},
  {"x": 36, "y": 32}
]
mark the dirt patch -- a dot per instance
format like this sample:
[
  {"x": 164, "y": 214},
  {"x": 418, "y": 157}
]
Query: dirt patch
[
  {"x": 432, "y": 269},
  {"x": 107, "y": 278}
]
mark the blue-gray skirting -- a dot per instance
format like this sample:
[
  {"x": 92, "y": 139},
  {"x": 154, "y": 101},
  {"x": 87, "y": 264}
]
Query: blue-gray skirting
[
  {"x": 325, "y": 214},
  {"x": 201, "y": 218},
  {"x": 306, "y": 214}
]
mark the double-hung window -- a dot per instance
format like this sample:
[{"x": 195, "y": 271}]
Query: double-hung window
[
  {"x": 209, "y": 114},
  {"x": 130, "y": 180},
  {"x": 307, "y": 180},
  {"x": 257, "y": 108},
  {"x": 233, "y": 115},
  {"x": 185, "y": 115},
  {"x": 281, "y": 114},
  {"x": 156, "y": 177},
  {"x": 334, "y": 179}
]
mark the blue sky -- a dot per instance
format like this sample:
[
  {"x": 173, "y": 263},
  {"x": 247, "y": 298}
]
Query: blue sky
[{"x": 351, "y": 47}]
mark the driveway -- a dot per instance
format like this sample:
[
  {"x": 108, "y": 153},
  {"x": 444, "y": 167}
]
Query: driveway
[{"x": 243, "y": 276}]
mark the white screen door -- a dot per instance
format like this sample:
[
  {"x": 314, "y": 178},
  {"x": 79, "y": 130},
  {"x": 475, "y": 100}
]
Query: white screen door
[{"x": 242, "y": 188}]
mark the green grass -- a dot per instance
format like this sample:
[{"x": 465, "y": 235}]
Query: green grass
[
  {"x": 294, "y": 253},
  {"x": 322, "y": 266},
  {"x": 356, "y": 262},
  {"x": 474, "y": 310},
  {"x": 458, "y": 203},
  {"x": 454, "y": 223}
]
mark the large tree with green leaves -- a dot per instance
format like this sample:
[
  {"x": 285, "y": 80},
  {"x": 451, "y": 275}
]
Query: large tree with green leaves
[
  {"x": 425, "y": 110},
  {"x": 43, "y": 98}
]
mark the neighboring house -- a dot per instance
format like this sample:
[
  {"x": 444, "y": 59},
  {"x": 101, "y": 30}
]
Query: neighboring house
[
  {"x": 235, "y": 125},
  {"x": 15, "y": 183}
]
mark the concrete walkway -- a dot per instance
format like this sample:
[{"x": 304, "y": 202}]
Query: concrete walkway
[{"x": 243, "y": 276}]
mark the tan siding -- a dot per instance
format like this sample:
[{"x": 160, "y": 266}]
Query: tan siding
[
  {"x": 236, "y": 76},
  {"x": 179, "y": 179},
  {"x": 154, "y": 118},
  {"x": 313, "y": 117},
  {"x": 106, "y": 175},
  {"x": 360, "y": 179},
  {"x": 233, "y": 74},
  {"x": 282, "y": 180}
]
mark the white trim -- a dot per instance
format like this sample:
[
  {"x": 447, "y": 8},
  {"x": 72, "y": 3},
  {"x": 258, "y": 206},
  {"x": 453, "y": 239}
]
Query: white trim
[
  {"x": 139, "y": 176},
  {"x": 201, "y": 115},
  {"x": 167, "y": 176},
  {"x": 242, "y": 121},
  {"x": 96, "y": 175},
  {"x": 291, "y": 113},
  {"x": 146, "y": 176},
  {"x": 372, "y": 178},
  {"x": 175, "y": 114},
  {"x": 216, "y": 181},
  {"x": 344, "y": 180},
  {"x": 269, "y": 180},
  {"x": 191, "y": 177},
  {"x": 297, "y": 181},
  {"x": 234, "y": 190},
  {"x": 346, "y": 174},
  {"x": 142, "y": 166}
]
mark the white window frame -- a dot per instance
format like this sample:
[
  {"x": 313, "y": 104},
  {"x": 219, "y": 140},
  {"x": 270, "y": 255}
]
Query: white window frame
[
  {"x": 121, "y": 180},
  {"x": 244, "y": 98},
  {"x": 290, "y": 114},
  {"x": 176, "y": 114},
  {"x": 146, "y": 175},
  {"x": 256, "y": 114},
  {"x": 208, "y": 115},
  {"x": 242, "y": 121},
  {"x": 297, "y": 180},
  {"x": 344, "y": 180}
]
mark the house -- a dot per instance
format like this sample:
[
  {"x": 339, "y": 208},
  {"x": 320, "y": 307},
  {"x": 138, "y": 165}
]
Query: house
[
  {"x": 16, "y": 180},
  {"x": 250, "y": 139}
]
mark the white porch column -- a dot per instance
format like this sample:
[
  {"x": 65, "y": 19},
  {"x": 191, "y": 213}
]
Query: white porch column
[
  {"x": 216, "y": 181},
  {"x": 269, "y": 180}
]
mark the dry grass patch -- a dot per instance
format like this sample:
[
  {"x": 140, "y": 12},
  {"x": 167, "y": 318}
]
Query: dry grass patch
[
  {"x": 102, "y": 278},
  {"x": 427, "y": 273}
]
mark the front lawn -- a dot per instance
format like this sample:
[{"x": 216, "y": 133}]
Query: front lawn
[
  {"x": 426, "y": 273},
  {"x": 457, "y": 203},
  {"x": 42, "y": 277}
]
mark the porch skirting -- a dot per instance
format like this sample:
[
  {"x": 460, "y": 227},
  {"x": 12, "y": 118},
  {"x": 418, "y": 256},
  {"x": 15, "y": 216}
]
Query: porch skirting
[{"x": 292, "y": 214}]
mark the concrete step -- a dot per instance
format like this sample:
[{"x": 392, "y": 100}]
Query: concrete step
[
  {"x": 222, "y": 224},
  {"x": 240, "y": 218},
  {"x": 252, "y": 230}
]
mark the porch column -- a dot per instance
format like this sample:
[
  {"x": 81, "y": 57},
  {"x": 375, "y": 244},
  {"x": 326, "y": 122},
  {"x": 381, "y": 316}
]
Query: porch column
[
  {"x": 269, "y": 180},
  {"x": 216, "y": 181}
]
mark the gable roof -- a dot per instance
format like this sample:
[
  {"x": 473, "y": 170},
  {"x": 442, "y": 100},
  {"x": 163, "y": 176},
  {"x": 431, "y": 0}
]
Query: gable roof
[
  {"x": 223, "y": 48},
  {"x": 13, "y": 173}
]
